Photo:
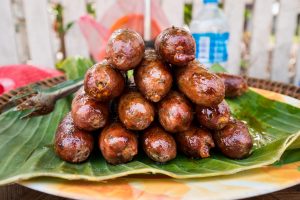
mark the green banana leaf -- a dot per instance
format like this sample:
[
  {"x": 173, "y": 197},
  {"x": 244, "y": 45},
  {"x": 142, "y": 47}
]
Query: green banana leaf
[
  {"x": 75, "y": 67},
  {"x": 26, "y": 147}
]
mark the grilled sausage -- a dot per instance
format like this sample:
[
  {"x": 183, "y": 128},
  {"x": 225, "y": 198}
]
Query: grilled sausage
[
  {"x": 175, "y": 46},
  {"x": 234, "y": 140},
  {"x": 159, "y": 145},
  {"x": 117, "y": 144},
  {"x": 234, "y": 85},
  {"x": 71, "y": 144},
  {"x": 103, "y": 83},
  {"x": 125, "y": 49},
  {"x": 152, "y": 77},
  {"x": 135, "y": 112},
  {"x": 214, "y": 117},
  {"x": 87, "y": 113},
  {"x": 199, "y": 85},
  {"x": 195, "y": 142},
  {"x": 175, "y": 112}
]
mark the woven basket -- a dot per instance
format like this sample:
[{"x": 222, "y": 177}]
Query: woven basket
[
  {"x": 282, "y": 88},
  {"x": 4, "y": 99}
]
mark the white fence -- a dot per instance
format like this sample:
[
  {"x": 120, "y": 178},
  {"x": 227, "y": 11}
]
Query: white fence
[{"x": 26, "y": 33}]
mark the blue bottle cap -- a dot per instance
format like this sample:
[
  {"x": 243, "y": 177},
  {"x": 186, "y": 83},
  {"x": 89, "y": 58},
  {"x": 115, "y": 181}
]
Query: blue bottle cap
[{"x": 210, "y": 1}]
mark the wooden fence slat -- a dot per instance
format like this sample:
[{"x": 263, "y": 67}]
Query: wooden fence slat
[
  {"x": 8, "y": 47},
  {"x": 297, "y": 77},
  {"x": 174, "y": 11},
  {"x": 74, "y": 40},
  {"x": 197, "y": 6},
  {"x": 259, "y": 46},
  {"x": 102, "y": 6},
  {"x": 234, "y": 11},
  {"x": 38, "y": 32},
  {"x": 285, "y": 29},
  {"x": 21, "y": 33}
]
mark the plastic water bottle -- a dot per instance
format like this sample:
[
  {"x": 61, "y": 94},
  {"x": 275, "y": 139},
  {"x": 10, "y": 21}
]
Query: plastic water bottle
[{"x": 210, "y": 31}]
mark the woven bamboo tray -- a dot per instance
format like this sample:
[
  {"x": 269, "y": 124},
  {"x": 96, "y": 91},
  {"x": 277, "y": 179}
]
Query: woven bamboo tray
[{"x": 282, "y": 88}]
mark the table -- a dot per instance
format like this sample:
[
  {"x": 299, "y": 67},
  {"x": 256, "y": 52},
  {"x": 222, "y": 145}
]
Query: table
[{"x": 17, "y": 192}]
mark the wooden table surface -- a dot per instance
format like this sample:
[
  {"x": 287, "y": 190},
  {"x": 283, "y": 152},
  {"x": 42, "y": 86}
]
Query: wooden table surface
[{"x": 17, "y": 192}]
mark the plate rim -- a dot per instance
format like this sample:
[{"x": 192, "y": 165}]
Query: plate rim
[{"x": 246, "y": 195}]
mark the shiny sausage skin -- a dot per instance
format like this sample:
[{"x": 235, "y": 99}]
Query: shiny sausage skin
[
  {"x": 135, "y": 112},
  {"x": 214, "y": 117},
  {"x": 152, "y": 77},
  {"x": 175, "y": 112},
  {"x": 199, "y": 85},
  {"x": 103, "y": 83},
  {"x": 234, "y": 85},
  {"x": 195, "y": 142},
  {"x": 125, "y": 49},
  {"x": 175, "y": 46},
  {"x": 71, "y": 144},
  {"x": 234, "y": 140},
  {"x": 159, "y": 145},
  {"x": 117, "y": 144},
  {"x": 87, "y": 113}
]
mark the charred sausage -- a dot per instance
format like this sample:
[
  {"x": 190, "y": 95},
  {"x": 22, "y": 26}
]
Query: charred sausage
[
  {"x": 175, "y": 46},
  {"x": 103, "y": 83},
  {"x": 159, "y": 145},
  {"x": 117, "y": 144},
  {"x": 152, "y": 77},
  {"x": 71, "y": 144},
  {"x": 199, "y": 85},
  {"x": 125, "y": 49},
  {"x": 135, "y": 112},
  {"x": 214, "y": 117},
  {"x": 87, "y": 113},
  {"x": 234, "y": 140},
  {"x": 234, "y": 85},
  {"x": 175, "y": 112},
  {"x": 195, "y": 142}
]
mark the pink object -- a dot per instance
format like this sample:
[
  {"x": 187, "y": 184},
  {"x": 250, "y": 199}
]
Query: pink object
[
  {"x": 96, "y": 36},
  {"x": 1, "y": 89},
  {"x": 14, "y": 76},
  {"x": 122, "y": 14}
]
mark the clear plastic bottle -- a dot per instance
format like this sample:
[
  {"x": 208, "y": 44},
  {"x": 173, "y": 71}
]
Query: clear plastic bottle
[{"x": 211, "y": 33}]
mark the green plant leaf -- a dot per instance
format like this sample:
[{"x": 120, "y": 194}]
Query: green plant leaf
[
  {"x": 75, "y": 67},
  {"x": 289, "y": 156},
  {"x": 26, "y": 148},
  {"x": 68, "y": 26},
  {"x": 217, "y": 68}
]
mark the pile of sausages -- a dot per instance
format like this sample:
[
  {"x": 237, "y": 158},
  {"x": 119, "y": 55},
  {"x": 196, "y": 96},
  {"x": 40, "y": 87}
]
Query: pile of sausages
[{"x": 176, "y": 105}]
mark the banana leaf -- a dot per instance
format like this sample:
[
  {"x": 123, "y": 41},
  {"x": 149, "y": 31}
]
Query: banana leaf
[
  {"x": 26, "y": 146},
  {"x": 74, "y": 67}
]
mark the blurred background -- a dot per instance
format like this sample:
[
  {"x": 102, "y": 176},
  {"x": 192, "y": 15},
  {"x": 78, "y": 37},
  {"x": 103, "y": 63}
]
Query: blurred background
[{"x": 264, "y": 34}]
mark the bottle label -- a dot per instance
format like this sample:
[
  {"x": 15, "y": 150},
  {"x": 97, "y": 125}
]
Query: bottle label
[{"x": 211, "y": 47}]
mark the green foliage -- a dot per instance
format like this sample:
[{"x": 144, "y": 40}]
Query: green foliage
[
  {"x": 91, "y": 9},
  {"x": 187, "y": 10},
  {"x": 75, "y": 67},
  {"x": 289, "y": 156},
  {"x": 217, "y": 68},
  {"x": 247, "y": 14},
  {"x": 58, "y": 23}
]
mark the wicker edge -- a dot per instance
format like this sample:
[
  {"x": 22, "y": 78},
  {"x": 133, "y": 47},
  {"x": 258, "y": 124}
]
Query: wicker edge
[
  {"x": 50, "y": 82},
  {"x": 282, "y": 88}
]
